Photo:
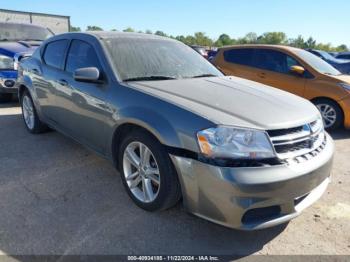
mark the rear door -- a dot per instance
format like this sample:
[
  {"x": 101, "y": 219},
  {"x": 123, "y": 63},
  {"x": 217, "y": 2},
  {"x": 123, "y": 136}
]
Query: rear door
[
  {"x": 238, "y": 62},
  {"x": 273, "y": 68}
]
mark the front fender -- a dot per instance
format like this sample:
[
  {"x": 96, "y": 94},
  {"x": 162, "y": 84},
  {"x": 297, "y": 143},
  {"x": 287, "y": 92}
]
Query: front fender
[{"x": 150, "y": 120}]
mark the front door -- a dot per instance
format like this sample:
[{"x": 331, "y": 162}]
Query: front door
[
  {"x": 274, "y": 70},
  {"x": 88, "y": 115}
]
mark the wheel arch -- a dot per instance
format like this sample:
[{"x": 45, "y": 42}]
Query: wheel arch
[
  {"x": 315, "y": 99},
  {"x": 129, "y": 125}
]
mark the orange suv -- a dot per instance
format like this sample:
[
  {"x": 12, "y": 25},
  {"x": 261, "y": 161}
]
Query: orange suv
[{"x": 293, "y": 70}]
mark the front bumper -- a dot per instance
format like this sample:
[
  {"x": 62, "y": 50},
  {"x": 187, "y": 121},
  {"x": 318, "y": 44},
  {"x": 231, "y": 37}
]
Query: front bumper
[
  {"x": 251, "y": 198},
  {"x": 8, "y": 79},
  {"x": 345, "y": 105}
]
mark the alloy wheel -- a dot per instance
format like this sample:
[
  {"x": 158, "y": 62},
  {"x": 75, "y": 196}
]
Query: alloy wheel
[
  {"x": 141, "y": 172},
  {"x": 328, "y": 113},
  {"x": 28, "y": 112}
]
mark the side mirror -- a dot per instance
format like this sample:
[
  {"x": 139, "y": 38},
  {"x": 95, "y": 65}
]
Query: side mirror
[
  {"x": 299, "y": 70},
  {"x": 87, "y": 74}
]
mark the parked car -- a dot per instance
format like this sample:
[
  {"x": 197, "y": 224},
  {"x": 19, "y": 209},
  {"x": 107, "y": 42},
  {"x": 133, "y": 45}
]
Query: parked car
[
  {"x": 240, "y": 153},
  {"x": 293, "y": 70},
  {"x": 200, "y": 50},
  {"x": 343, "y": 55},
  {"x": 334, "y": 54},
  {"x": 16, "y": 41},
  {"x": 342, "y": 65},
  {"x": 212, "y": 54}
]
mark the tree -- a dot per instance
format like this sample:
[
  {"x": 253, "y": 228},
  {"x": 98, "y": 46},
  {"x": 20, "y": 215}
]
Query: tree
[
  {"x": 310, "y": 43},
  {"x": 251, "y": 38},
  {"x": 202, "y": 39},
  {"x": 342, "y": 48},
  {"x": 114, "y": 30},
  {"x": 298, "y": 42},
  {"x": 223, "y": 40},
  {"x": 93, "y": 28},
  {"x": 273, "y": 38},
  {"x": 149, "y": 32},
  {"x": 161, "y": 33},
  {"x": 74, "y": 29},
  {"x": 129, "y": 29},
  {"x": 181, "y": 38}
]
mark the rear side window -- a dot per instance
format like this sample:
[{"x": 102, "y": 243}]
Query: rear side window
[
  {"x": 80, "y": 55},
  {"x": 239, "y": 56},
  {"x": 54, "y": 53},
  {"x": 275, "y": 61}
]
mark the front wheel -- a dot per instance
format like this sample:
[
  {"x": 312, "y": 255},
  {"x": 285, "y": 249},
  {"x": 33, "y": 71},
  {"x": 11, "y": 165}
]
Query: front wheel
[
  {"x": 147, "y": 172},
  {"x": 331, "y": 113},
  {"x": 30, "y": 116}
]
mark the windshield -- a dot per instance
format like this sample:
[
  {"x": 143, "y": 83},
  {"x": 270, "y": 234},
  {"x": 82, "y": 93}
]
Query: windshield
[
  {"x": 327, "y": 56},
  {"x": 17, "y": 32},
  {"x": 156, "y": 59},
  {"x": 317, "y": 63}
]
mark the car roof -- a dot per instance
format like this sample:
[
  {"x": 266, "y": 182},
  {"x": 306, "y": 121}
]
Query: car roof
[{"x": 124, "y": 35}]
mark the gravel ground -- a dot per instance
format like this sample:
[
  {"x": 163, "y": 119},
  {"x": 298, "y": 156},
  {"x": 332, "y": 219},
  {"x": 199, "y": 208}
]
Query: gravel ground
[{"x": 56, "y": 197}]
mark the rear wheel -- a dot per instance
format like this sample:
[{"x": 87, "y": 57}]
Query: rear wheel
[
  {"x": 147, "y": 172},
  {"x": 331, "y": 113},
  {"x": 30, "y": 116},
  {"x": 5, "y": 98}
]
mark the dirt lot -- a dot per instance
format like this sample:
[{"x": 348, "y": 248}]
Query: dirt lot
[{"x": 56, "y": 197}]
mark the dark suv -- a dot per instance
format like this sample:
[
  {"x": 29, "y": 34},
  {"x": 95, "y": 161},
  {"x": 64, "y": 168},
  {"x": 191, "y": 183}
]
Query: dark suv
[{"x": 16, "y": 41}]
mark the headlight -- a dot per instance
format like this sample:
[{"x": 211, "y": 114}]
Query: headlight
[
  {"x": 345, "y": 86},
  {"x": 235, "y": 143},
  {"x": 6, "y": 62}
]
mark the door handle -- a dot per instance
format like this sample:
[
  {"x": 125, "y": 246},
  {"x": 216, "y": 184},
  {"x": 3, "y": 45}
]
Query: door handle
[
  {"x": 261, "y": 75},
  {"x": 62, "y": 82}
]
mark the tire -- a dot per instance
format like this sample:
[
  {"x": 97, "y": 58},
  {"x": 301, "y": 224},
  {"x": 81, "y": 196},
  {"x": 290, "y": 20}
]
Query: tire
[
  {"x": 4, "y": 98},
  {"x": 331, "y": 112},
  {"x": 164, "y": 185},
  {"x": 30, "y": 116}
]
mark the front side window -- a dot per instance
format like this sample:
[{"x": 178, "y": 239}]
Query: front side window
[
  {"x": 153, "y": 58},
  {"x": 80, "y": 55},
  {"x": 54, "y": 53},
  {"x": 275, "y": 61},
  {"x": 240, "y": 56}
]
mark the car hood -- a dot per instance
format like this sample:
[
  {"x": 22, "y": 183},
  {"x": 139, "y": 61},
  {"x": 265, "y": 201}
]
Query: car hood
[
  {"x": 12, "y": 48},
  {"x": 234, "y": 101},
  {"x": 341, "y": 78}
]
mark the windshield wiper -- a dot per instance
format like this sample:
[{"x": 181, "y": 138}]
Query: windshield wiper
[
  {"x": 204, "y": 75},
  {"x": 149, "y": 78}
]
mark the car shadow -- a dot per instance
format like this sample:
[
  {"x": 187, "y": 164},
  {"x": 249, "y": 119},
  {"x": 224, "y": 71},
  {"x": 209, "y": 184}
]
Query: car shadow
[
  {"x": 340, "y": 134},
  {"x": 13, "y": 103},
  {"x": 56, "y": 197}
]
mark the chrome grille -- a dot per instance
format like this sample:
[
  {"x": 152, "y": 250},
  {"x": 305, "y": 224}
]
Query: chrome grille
[{"x": 296, "y": 142}]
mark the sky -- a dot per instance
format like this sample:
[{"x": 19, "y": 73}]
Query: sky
[{"x": 326, "y": 21}]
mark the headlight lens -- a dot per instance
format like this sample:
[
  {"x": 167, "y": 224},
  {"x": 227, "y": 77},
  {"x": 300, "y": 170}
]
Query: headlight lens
[
  {"x": 6, "y": 62},
  {"x": 345, "y": 86},
  {"x": 235, "y": 143}
]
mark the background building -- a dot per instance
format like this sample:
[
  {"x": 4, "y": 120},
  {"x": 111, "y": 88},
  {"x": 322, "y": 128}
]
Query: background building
[{"x": 56, "y": 23}]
